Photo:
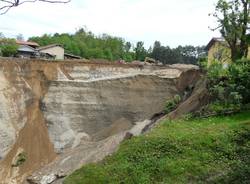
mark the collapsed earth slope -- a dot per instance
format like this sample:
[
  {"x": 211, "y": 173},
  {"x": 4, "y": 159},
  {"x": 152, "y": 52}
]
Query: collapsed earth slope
[{"x": 64, "y": 114}]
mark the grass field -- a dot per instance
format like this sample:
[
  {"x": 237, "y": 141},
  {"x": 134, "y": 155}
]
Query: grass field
[{"x": 213, "y": 150}]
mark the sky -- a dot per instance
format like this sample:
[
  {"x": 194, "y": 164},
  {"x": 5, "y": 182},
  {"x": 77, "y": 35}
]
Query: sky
[{"x": 172, "y": 22}]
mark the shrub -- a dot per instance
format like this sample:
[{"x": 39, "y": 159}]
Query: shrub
[
  {"x": 8, "y": 47},
  {"x": 229, "y": 88},
  {"x": 203, "y": 63},
  {"x": 172, "y": 104}
]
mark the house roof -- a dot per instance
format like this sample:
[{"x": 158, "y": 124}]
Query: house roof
[
  {"x": 72, "y": 56},
  {"x": 26, "y": 48},
  {"x": 48, "y": 54},
  {"x": 212, "y": 41},
  {"x": 32, "y": 44},
  {"x": 49, "y": 46}
]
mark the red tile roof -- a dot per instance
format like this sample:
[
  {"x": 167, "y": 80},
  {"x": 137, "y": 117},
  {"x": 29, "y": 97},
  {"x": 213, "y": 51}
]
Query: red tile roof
[{"x": 33, "y": 44}]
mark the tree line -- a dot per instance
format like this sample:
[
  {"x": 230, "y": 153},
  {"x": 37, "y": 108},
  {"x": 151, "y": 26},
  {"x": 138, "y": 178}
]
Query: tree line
[{"x": 87, "y": 45}]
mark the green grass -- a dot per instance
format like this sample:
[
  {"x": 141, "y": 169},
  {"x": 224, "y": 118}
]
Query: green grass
[{"x": 213, "y": 150}]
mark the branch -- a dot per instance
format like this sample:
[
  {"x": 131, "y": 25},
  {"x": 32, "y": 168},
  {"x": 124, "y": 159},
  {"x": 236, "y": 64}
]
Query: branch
[
  {"x": 6, "y": 5},
  {"x": 7, "y": 1},
  {"x": 7, "y": 8},
  {"x": 213, "y": 29},
  {"x": 28, "y": 1},
  {"x": 47, "y": 1}
]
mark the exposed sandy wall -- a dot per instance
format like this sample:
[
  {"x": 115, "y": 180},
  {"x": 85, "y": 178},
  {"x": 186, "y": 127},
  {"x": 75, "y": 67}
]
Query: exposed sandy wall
[
  {"x": 53, "y": 107},
  {"x": 24, "y": 86}
]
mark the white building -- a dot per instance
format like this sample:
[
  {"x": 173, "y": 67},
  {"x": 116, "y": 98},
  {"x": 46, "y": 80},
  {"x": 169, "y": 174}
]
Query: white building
[{"x": 55, "y": 49}]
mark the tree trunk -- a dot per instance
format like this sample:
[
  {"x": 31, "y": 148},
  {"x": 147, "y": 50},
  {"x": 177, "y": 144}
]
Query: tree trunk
[
  {"x": 235, "y": 51},
  {"x": 243, "y": 39}
]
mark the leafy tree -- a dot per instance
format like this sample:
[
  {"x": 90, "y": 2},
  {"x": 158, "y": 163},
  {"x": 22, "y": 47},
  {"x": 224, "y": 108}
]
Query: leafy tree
[
  {"x": 140, "y": 51},
  {"x": 233, "y": 19},
  {"x": 8, "y": 47},
  {"x": 229, "y": 88},
  {"x": 20, "y": 37},
  {"x": 188, "y": 54},
  {"x": 128, "y": 46},
  {"x": 157, "y": 51},
  {"x": 87, "y": 45},
  {"x": 182, "y": 54}
]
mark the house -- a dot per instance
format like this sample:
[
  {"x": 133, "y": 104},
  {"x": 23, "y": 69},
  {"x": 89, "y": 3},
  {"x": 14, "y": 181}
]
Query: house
[
  {"x": 54, "y": 49},
  {"x": 32, "y": 50},
  {"x": 26, "y": 49},
  {"x": 219, "y": 50}
]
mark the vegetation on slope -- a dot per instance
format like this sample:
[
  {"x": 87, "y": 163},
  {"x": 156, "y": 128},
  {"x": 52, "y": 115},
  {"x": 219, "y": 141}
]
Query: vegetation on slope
[
  {"x": 228, "y": 87},
  {"x": 212, "y": 150}
]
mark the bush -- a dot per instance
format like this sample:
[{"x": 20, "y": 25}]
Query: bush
[
  {"x": 203, "y": 63},
  {"x": 172, "y": 104},
  {"x": 229, "y": 88},
  {"x": 8, "y": 47}
]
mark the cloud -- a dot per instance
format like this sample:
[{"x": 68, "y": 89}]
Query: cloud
[{"x": 179, "y": 22}]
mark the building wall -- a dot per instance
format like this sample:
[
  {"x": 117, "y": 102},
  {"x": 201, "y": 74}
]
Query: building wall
[
  {"x": 220, "y": 52},
  {"x": 248, "y": 55},
  {"x": 57, "y": 51},
  {"x": 23, "y": 54}
]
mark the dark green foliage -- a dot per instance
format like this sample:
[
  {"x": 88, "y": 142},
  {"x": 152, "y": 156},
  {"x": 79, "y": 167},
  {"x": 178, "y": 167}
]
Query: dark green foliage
[
  {"x": 87, "y": 45},
  {"x": 229, "y": 87},
  {"x": 172, "y": 103},
  {"x": 140, "y": 51},
  {"x": 8, "y": 47},
  {"x": 181, "y": 54},
  {"x": 213, "y": 150},
  {"x": 202, "y": 62}
]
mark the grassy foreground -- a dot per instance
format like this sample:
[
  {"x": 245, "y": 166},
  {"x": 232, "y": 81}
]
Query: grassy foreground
[{"x": 213, "y": 150}]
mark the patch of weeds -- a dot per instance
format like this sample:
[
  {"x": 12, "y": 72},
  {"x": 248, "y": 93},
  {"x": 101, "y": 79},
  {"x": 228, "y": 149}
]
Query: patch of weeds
[
  {"x": 172, "y": 104},
  {"x": 21, "y": 158}
]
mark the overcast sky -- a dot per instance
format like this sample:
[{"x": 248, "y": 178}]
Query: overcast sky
[{"x": 172, "y": 22}]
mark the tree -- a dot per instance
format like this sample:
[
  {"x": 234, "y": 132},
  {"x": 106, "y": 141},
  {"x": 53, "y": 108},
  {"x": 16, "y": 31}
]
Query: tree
[
  {"x": 157, "y": 51},
  {"x": 87, "y": 45},
  {"x": 182, "y": 54},
  {"x": 127, "y": 46},
  {"x": 233, "y": 19},
  {"x": 140, "y": 51},
  {"x": 20, "y": 37},
  {"x": 6, "y": 5},
  {"x": 8, "y": 47}
]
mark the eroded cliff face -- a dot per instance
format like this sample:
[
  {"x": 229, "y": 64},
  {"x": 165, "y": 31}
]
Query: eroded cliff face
[
  {"x": 22, "y": 124},
  {"x": 49, "y": 110}
]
